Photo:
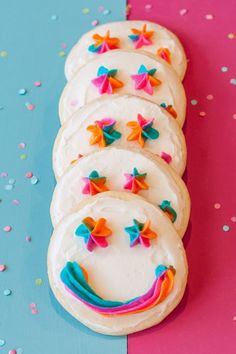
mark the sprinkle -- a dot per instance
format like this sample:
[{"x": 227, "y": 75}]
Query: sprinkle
[
  {"x": 194, "y": 102},
  {"x": 37, "y": 84},
  {"x": 28, "y": 238},
  {"x": 61, "y": 53},
  {"x": 225, "y": 228},
  {"x": 231, "y": 36},
  {"x": 2, "y": 342},
  {"x": 63, "y": 45},
  {"x": 202, "y": 114},
  {"x": 15, "y": 202},
  {"x": 100, "y": 8},
  {"x": 217, "y": 206},
  {"x": 209, "y": 97},
  {"x": 12, "y": 351},
  {"x": 30, "y": 106},
  {"x": 183, "y": 12},
  {"x": 94, "y": 23},
  {"x": 233, "y": 219},
  {"x": 54, "y": 17},
  {"x": 29, "y": 174},
  {"x": 3, "y": 267},
  {"x": 19, "y": 351},
  {"x": 23, "y": 156},
  {"x": 34, "y": 180},
  {"x": 234, "y": 318},
  {"x": 22, "y": 145},
  {"x": 224, "y": 69},
  {"x": 7, "y": 292},
  {"x": 3, "y": 174},
  {"x": 234, "y": 116},
  {"x": 85, "y": 11},
  {"x": 32, "y": 305},
  {"x": 8, "y": 187},
  {"x": 22, "y": 92},
  {"x": 7, "y": 228},
  {"x": 148, "y": 7},
  {"x": 233, "y": 81},
  {"x": 106, "y": 12},
  {"x": 209, "y": 17},
  {"x": 38, "y": 281},
  {"x": 3, "y": 54},
  {"x": 12, "y": 181}
]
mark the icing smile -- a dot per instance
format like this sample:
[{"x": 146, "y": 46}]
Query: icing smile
[{"x": 75, "y": 279}]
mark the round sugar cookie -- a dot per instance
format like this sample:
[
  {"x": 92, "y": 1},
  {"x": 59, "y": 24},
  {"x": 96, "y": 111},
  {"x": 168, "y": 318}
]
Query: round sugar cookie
[
  {"x": 117, "y": 169},
  {"x": 117, "y": 264},
  {"x": 124, "y": 72},
  {"x": 140, "y": 35},
  {"x": 120, "y": 121}
]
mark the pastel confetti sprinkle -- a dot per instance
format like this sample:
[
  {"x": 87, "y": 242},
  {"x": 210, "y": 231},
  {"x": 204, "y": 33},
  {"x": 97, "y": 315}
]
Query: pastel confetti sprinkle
[
  {"x": 94, "y": 23},
  {"x": 34, "y": 309},
  {"x": 224, "y": 69},
  {"x": 209, "y": 97},
  {"x": 37, "y": 84},
  {"x": 23, "y": 156},
  {"x": 38, "y": 281},
  {"x": 22, "y": 92},
  {"x": 85, "y": 11},
  {"x": 234, "y": 116},
  {"x": 22, "y": 145},
  {"x": 54, "y": 17},
  {"x": 63, "y": 45},
  {"x": 2, "y": 342},
  {"x": 8, "y": 187},
  {"x": 3, "y": 267},
  {"x": 7, "y": 228},
  {"x": 28, "y": 238},
  {"x": 19, "y": 351},
  {"x": 194, "y": 102},
  {"x": 226, "y": 228},
  {"x": 183, "y": 12},
  {"x": 217, "y": 206},
  {"x": 30, "y": 106},
  {"x": 34, "y": 180},
  {"x": 15, "y": 202},
  {"x": 7, "y": 292},
  {"x": 233, "y": 219},
  {"x": 231, "y": 36},
  {"x": 209, "y": 17},
  {"x": 148, "y": 7},
  {"x": 202, "y": 114},
  {"x": 3, "y": 53},
  {"x": 12, "y": 351},
  {"x": 12, "y": 181},
  {"x": 233, "y": 81},
  {"x": 234, "y": 318},
  {"x": 29, "y": 174},
  {"x": 106, "y": 12},
  {"x": 3, "y": 174},
  {"x": 61, "y": 53}
]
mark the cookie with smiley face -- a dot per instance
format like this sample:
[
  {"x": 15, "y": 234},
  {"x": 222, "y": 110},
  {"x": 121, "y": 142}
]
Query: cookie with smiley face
[
  {"x": 124, "y": 72},
  {"x": 137, "y": 35},
  {"x": 117, "y": 264},
  {"x": 120, "y": 121},
  {"x": 117, "y": 169}
]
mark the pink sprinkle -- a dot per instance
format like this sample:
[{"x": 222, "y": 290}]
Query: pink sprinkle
[
  {"x": 63, "y": 45},
  {"x": 28, "y": 238},
  {"x": 94, "y": 23},
  {"x": 29, "y": 174},
  {"x": 7, "y": 228},
  {"x": 148, "y": 7},
  {"x": 3, "y": 174},
  {"x": 37, "y": 84},
  {"x": 217, "y": 205},
  {"x": 209, "y": 17},
  {"x": 166, "y": 157},
  {"x": 234, "y": 318},
  {"x": 233, "y": 218},
  {"x": 234, "y": 116},
  {"x": 12, "y": 351},
  {"x": 15, "y": 202},
  {"x": 202, "y": 114},
  {"x": 32, "y": 305},
  {"x": 2, "y": 267},
  {"x": 30, "y": 106},
  {"x": 183, "y": 12},
  {"x": 209, "y": 97},
  {"x": 22, "y": 145},
  {"x": 34, "y": 311}
]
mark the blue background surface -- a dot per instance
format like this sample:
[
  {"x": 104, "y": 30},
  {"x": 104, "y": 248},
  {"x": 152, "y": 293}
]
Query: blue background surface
[{"x": 33, "y": 41}]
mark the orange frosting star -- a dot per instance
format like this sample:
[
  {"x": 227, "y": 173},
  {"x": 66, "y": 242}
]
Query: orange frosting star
[
  {"x": 164, "y": 53},
  {"x": 111, "y": 41},
  {"x": 97, "y": 136}
]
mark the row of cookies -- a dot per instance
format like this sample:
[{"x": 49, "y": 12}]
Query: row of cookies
[{"x": 121, "y": 111}]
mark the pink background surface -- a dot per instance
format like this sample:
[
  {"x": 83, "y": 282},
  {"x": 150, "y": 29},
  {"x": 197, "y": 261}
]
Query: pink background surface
[{"x": 203, "y": 323}]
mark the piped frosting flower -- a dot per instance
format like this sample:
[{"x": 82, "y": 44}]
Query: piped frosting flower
[
  {"x": 142, "y": 130},
  {"x": 103, "y": 132},
  {"x": 93, "y": 232},
  {"x": 145, "y": 79},
  {"x": 135, "y": 181},
  {"x": 164, "y": 54},
  {"x": 140, "y": 233},
  {"x": 169, "y": 108},
  {"x": 141, "y": 37},
  {"x": 106, "y": 81},
  {"x": 94, "y": 184},
  {"x": 168, "y": 210},
  {"x": 103, "y": 44}
]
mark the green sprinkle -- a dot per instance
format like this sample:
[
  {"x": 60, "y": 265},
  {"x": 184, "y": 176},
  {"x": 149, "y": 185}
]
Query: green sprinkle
[
  {"x": 224, "y": 69},
  {"x": 38, "y": 281},
  {"x": 23, "y": 156},
  {"x": 194, "y": 102},
  {"x": 85, "y": 11},
  {"x": 225, "y": 228},
  {"x": 62, "y": 54}
]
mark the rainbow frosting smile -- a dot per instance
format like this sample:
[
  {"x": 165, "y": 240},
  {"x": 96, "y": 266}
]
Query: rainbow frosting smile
[{"x": 75, "y": 279}]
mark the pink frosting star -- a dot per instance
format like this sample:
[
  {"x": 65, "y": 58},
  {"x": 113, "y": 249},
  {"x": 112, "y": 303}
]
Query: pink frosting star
[
  {"x": 103, "y": 84},
  {"x": 142, "y": 83}
]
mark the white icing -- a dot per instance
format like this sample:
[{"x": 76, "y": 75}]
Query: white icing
[
  {"x": 73, "y": 137},
  {"x": 118, "y": 272},
  {"x": 80, "y": 90},
  {"x": 113, "y": 163},
  {"x": 162, "y": 38}
]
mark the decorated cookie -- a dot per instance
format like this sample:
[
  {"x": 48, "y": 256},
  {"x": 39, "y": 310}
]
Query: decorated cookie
[
  {"x": 139, "y": 35},
  {"x": 122, "y": 170},
  {"x": 120, "y": 121},
  {"x": 125, "y": 72},
  {"x": 117, "y": 264}
]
